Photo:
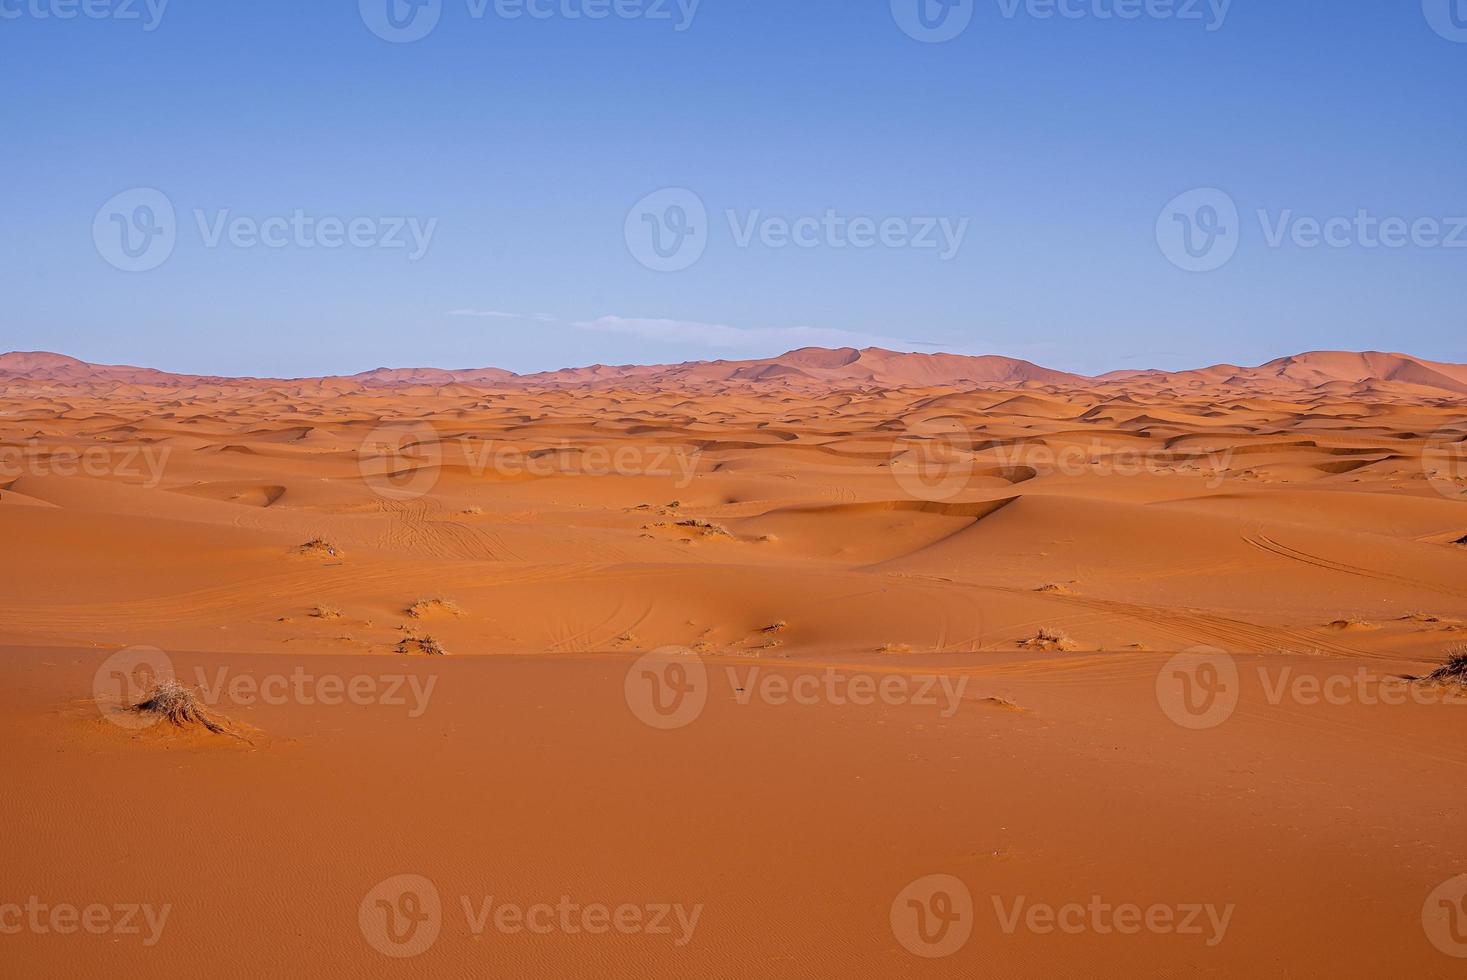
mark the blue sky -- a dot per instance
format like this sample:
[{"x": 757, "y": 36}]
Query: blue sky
[{"x": 520, "y": 148}]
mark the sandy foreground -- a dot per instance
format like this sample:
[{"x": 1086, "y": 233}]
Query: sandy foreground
[{"x": 728, "y": 680}]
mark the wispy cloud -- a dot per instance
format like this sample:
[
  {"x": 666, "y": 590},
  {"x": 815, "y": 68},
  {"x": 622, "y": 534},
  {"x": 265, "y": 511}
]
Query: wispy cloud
[
  {"x": 501, "y": 315},
  {"x": 715, "y": 335},
  {"x": 734, "y": 338}
]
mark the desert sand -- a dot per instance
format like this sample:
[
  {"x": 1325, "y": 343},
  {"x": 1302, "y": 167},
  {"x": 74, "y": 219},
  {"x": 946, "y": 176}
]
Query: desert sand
[{"x": 748, "y": 650}]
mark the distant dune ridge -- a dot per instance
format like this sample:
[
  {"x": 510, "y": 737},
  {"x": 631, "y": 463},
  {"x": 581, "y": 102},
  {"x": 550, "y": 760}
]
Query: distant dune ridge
[{"x": 1343, "y": 371}]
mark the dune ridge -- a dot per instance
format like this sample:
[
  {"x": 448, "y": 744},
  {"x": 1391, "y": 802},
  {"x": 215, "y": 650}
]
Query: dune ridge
[{"x": 1365, "y": 374}]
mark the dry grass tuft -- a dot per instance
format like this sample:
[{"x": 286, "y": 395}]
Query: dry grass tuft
[
  {"x": 182, "y": 708},
  {"x": 424, "y": 608},
  {"x": 1050, "y": 639},
  {"x": 428, "y": 646},
  {"x": 1454, "y": 671},
  {"x": 320, "y": 548},
  {"x": 707, "y": 527}
]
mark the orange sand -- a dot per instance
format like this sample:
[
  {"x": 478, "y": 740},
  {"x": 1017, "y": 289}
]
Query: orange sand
[{"x": 801, "y": 539}]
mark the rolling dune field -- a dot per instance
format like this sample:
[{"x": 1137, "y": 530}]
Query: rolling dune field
[{"x": 786, "y": 669}]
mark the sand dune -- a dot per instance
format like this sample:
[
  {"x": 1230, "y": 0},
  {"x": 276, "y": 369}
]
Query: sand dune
[{"x": 522, "y": 542}]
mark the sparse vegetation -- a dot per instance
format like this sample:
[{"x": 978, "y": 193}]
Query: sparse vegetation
[
  {"x": 319, "y": 547},
  {"x": 707, "y": 527},
  {"x": 428, "y": 646},
  {"x": 1454, "y": 671},
  {"x": 1050, "y": 639},
  {"x": 180, "y": 707},
  {"x": 424, "y": 608}
]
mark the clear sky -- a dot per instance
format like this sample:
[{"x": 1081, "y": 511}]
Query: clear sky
[{"x": 1038, "y": 151}]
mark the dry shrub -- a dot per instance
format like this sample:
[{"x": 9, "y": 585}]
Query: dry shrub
[
  {"x": 178, "y": 705},
  {"x": 426, "y": 607}
]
